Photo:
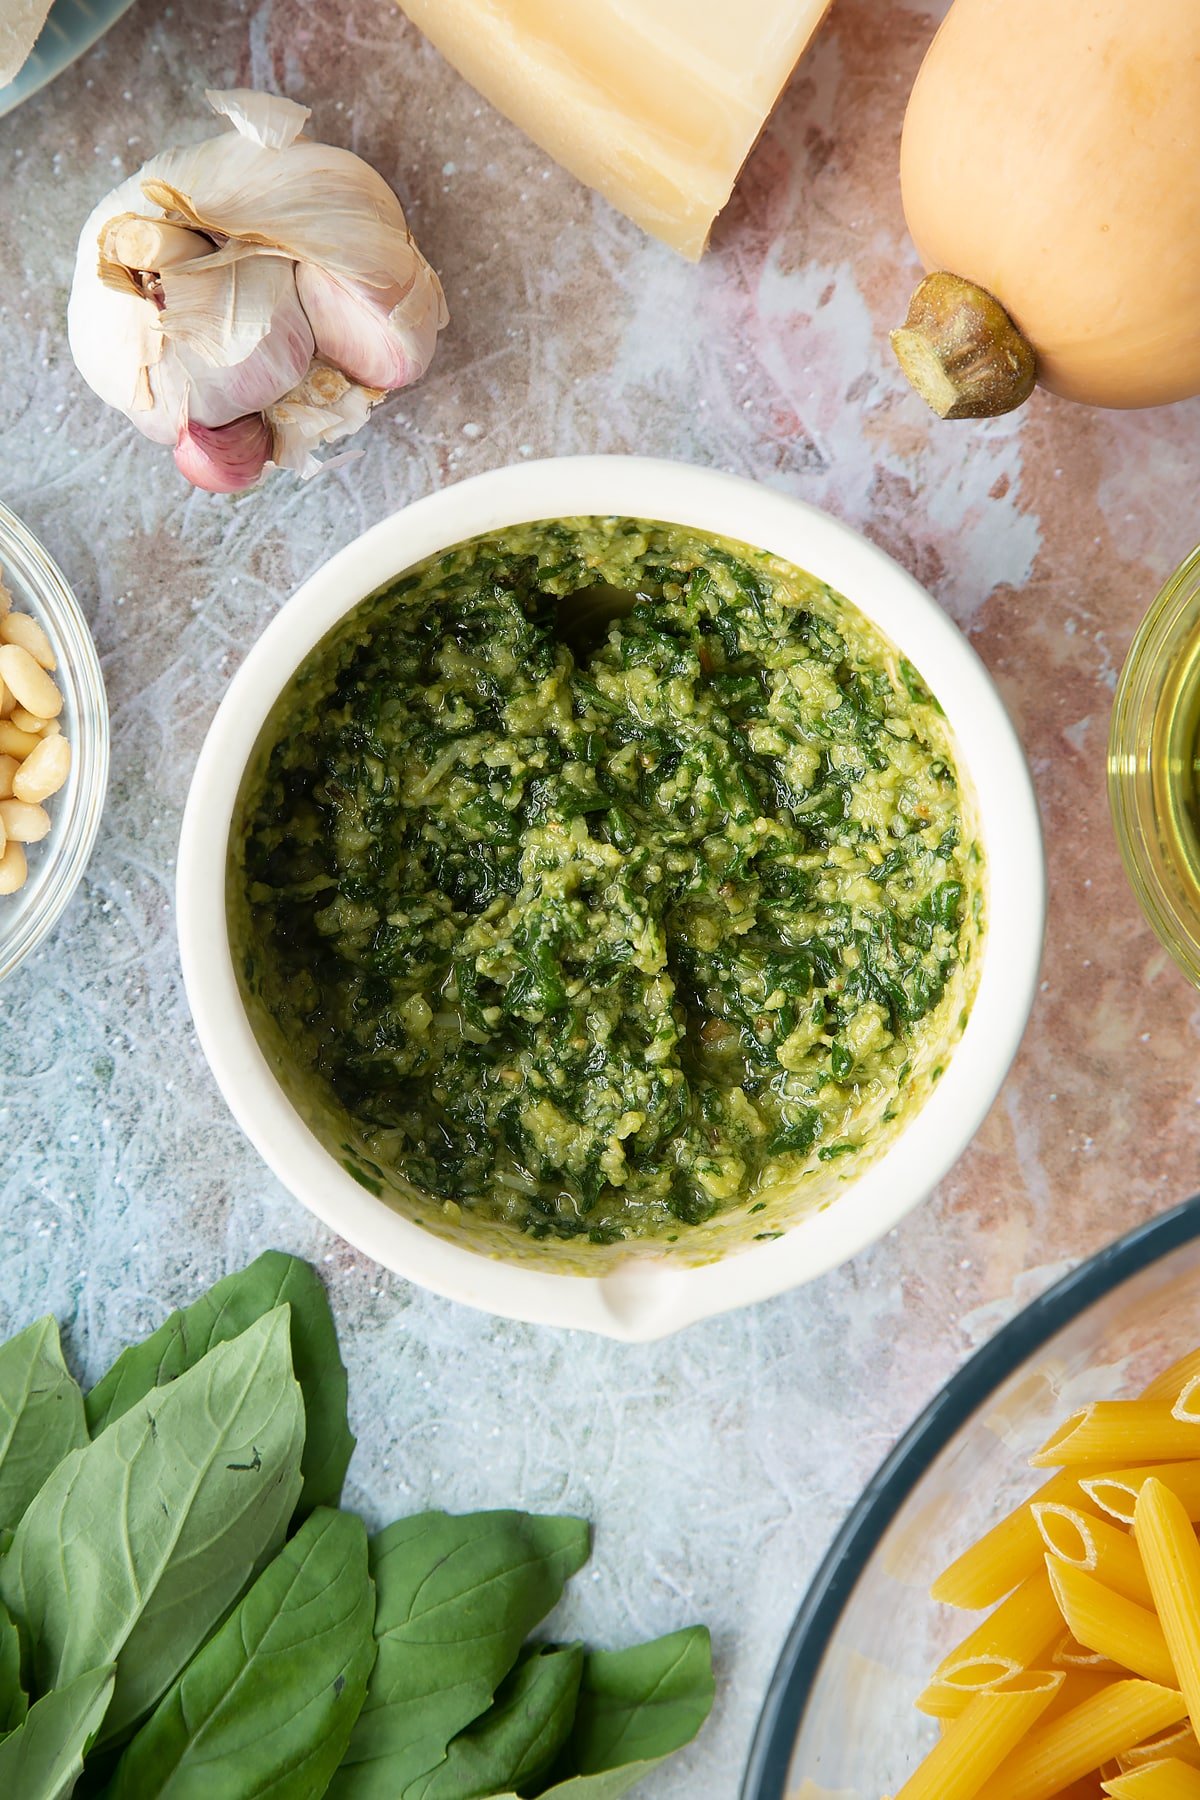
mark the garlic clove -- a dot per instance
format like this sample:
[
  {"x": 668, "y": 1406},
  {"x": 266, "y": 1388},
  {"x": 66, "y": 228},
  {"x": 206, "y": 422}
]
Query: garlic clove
[
  {"x": 382, "y": 337},
  {"x": 238, "y": 330},
  {"x": 135, "y": 250},
  {"x": 226, "y": 458}
]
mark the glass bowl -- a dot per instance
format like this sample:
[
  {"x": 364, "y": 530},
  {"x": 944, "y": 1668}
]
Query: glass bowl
[
  {"x": 37, "y": 586},
  {"x": 838, "y": 1722},
  {"x": 1153, "y": 766}
]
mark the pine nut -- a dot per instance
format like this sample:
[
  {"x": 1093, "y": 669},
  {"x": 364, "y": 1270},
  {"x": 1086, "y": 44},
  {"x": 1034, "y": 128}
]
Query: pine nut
[
  {"x": 14, "y": 742},
  {"x": 26, "y": 678},
  {"x": 43, "y": 771},
  {"x": 23, "y": 823},
  {"x": 35, "y": 758},
  {"x": 13, "y": 869},
  {"x": 27, "y": 721},
  {"x": 19, "y": 628}
]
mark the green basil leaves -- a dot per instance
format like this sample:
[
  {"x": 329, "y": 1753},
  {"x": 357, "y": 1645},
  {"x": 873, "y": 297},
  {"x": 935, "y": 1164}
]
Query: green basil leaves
[{"x": 185, "y": 1613}]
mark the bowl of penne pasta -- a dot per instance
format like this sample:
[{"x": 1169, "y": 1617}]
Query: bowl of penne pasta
[{"x": 1012, "y": 1609}]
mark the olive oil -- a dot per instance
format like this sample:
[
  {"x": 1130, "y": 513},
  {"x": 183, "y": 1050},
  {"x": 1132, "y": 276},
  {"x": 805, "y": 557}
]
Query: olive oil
[
  {"x": 1154, "y": 766},
  {"x": 1175, "y": 768}
]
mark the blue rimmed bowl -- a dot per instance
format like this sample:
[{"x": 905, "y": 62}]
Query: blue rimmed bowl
[
  {"x": 72, "y": 27},
  {"x": 838, "y": 1722}
]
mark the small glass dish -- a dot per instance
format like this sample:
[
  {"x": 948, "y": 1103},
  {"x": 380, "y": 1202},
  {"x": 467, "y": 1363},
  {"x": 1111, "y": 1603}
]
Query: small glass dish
[
  {"x": 838, "y": 1722},
  {"x": 37, "y": 586},
  {"x": 1154, "y": 766}
]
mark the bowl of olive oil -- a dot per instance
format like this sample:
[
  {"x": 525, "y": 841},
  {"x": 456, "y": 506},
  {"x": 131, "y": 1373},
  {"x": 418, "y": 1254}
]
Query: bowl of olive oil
[{"x": 1154, "y": 766}]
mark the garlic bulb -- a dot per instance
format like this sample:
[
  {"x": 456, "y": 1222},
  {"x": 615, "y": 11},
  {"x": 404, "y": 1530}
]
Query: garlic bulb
[{"x": 251, "y": 298}]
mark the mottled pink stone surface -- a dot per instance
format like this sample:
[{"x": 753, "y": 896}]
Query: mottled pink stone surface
[{"x": 718, "y": 1465}]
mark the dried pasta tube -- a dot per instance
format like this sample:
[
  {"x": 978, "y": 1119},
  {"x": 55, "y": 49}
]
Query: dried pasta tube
[
  {"x": 977, "y": 1743},
  {"x": 949, "y": 1698},
  {"x": 1168, "y": 1779},
  {"x": 1121, "y": 1431},
  {"x": 1106, "y": 1622},
  {"x": 1008, "y": 1553},
  {"x": 1172, "y": 1558},
  {"x": 1080, "y": 1681},
  {"x": 1055, "y": 1755},
  {"x": 1021, "y": 1628},
  {"x": 1069, "y": 1654},
  {"x": 1171, "y": 1383},
  {"x": 1097, "y": 1547},
  {"x": 1079, "y": 1685},
  {"x": 1178, "y": 1742},
  {"x": 1116, "y": 1492}
]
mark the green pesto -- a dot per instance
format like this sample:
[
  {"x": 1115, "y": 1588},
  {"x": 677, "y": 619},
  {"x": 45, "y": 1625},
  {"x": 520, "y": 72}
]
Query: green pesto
[{"x": 596, "y": 932}]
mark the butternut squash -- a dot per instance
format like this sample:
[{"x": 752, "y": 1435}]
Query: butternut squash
[{"x": 1050, "y": 169}]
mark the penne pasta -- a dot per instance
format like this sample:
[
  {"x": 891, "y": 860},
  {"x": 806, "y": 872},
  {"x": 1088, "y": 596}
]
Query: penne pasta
[
  {"x": 1116, "y": 1431},
  {"x": 1080, "y": 1682},
  {"x": 1172, "y": 1558},
  {"x": 977, "y": 1743},
  {"x": 1011, "y": 1551},
  {"x": 1080, "y": 1685},
  {"x": 1007, "y": 1554},
  {"x": 949, "y": 1697},
  {"x": 1178, "y": 1742},
  {"x": 1117, "y": 1492},
  {"x": 1055, "y": 1755},
  {"x": 1020, "y": 1630},
  {"x": 1165, "y": 1780},
  {"x": 1171, "y": 1383},
  {"x": 1069, "y": 1653},
  {"x": 1112, "y": 1626},
  {"x": 1094, "y": 1583},
  {"x": 1097, "y": 1547}
]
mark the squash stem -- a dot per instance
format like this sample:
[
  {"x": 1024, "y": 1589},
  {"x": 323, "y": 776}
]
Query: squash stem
[{"x": 961, "y": 351}]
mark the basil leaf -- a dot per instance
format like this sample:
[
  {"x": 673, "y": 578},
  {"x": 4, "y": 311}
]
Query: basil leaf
[
  {"x": 140, "y": 1542},
  {"x": 455, "y": 1598},
  {"x": 13, "y": 1702},
  {"x": 635, "y": 1708},
  {"x": 517, "y": 1740},
  {"x": 267, "y": 1706},
  {"x": 41, "y": 1415},
  {"x": 224, "y": 1312},
  {"x": 642, "y": 1703},
  {"x": 42, "y": 1759}
]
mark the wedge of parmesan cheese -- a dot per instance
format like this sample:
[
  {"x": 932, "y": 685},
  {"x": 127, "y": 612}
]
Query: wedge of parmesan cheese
[
  {"x": 20, "y": 23},
  {"x": 655, "y": 103}
]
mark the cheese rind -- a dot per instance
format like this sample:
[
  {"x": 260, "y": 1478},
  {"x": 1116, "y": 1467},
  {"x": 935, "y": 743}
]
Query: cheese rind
[
  {"x": 21, "y": 22},
  {"x": 655, "y": 103}
]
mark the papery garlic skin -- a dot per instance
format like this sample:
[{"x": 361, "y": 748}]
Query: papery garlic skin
[
  {"x": 322, "y": 409},
  {"x": 278, "y": 260}
]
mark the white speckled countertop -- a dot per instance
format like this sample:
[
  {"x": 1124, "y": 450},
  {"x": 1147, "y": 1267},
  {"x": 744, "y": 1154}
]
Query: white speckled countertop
[{"x": 716, "y": 1465}]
